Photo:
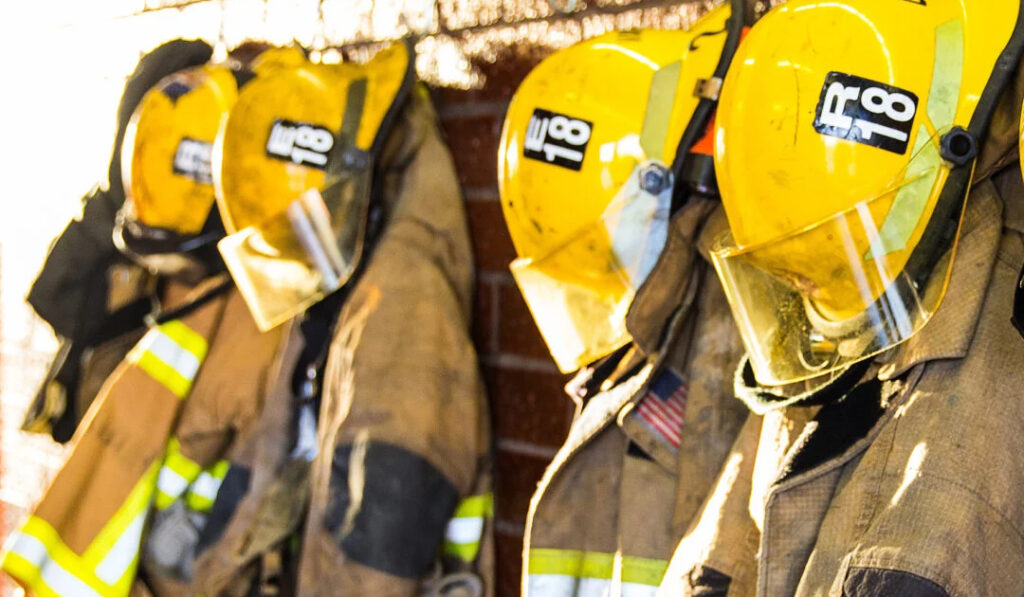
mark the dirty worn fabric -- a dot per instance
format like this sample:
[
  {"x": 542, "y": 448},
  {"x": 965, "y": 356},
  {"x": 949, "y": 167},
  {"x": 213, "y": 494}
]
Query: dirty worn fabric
[
  {"x": 143, "y": 444},
  {"x": 401, "y": 485},
  {"x": 643, "y": 453},
  {"x": 263, "y": 493},
  {"x": 909, "y": 484}
]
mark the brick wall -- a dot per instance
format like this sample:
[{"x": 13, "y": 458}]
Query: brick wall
[{"x": 530, "y": 412}]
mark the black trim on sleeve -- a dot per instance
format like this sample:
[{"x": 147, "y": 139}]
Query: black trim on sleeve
[{"x": 398, "y": 522}]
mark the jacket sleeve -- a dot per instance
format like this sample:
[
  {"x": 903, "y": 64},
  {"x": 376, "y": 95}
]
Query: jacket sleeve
[
  {"x": 83, "y": 537},
  {"x": 404, "y": 438}
]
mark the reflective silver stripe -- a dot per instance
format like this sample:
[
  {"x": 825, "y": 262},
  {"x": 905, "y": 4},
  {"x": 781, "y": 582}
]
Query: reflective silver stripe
[
  {"x": 558, "y": 585},
  {"x": 632, "y": 589},
  {"x": 122, "y": 554},
  {"x": 550, "y": 585},
  {"x": 59, "y": 580},
  {"x": 464, "y": 530},
  {"x": 206, "y": 486},
  {"x": 174, "y": 356},
  {"x": 171, "y": 483}
]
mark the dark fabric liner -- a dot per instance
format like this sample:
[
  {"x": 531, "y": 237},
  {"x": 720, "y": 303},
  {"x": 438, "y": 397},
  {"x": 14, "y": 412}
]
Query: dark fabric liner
[
  {"x": 839, "y": 425},
  {"x": 878, "y": 582},
  {"x": 232, "y": 490},
  {"x": 405, "y": 506},
  {"x": 708, "y": 582},
  {"x": 761, "y": 399}
]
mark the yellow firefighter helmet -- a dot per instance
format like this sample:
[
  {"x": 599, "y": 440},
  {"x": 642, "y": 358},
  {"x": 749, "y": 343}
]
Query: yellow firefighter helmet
[
  {"x": 292, "y": 172},
  {"x": 585, "y": 178},
  {"x": 845, "y": 144},
  {"x": 168, "y": 144},
  {"x": 165, "y": 222}
]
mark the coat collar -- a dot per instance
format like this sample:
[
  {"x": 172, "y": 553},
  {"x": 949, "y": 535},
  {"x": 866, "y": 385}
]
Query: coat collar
[{"x": 949, "y": 333}]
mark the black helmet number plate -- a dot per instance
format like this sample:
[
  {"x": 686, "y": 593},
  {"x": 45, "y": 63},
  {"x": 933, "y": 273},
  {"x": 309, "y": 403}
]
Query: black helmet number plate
[
  {"x": 299, "y": 142},
  {"x": 557, "y": 139},
  {"x": 866, "y": 111}
]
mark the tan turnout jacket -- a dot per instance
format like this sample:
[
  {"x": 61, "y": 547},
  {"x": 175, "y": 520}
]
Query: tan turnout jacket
[
  {"x": 153, "y": 438},
  {"x": 643, "y": 453},
  {"x": 401, "y": 486},
  {"x": 911, "y": 485}
]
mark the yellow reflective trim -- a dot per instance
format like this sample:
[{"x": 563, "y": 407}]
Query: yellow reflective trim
[
  {"x": 138, "y": 500},
  {"x": 175, "y": 476},
  {"x": 203, "y": 503},
  {"x": 163, "y": 373},
  {"x": 643, "y": 571},
  {"x": 198, "y": 503},
  {"x": 31, "y": 577},
  {"x": 590, "y": 564},
  {"x": 908, "y": 207},
  {"x": 475, "y": 505},
  {"x": 466, "y": 552},
  {"x": 947, "y": 73},
  {"x": 660, "y": 100},
  {"x": 179, "y": 463},
  {"x": 171, "y": 353},
  {"x": 163, "y": 501},
  {"x": 58, "y": 563},
  {"x": 911, "y": 199},
  {"x": 186, "y": 338},
  {"x": 570, "y": 562}
]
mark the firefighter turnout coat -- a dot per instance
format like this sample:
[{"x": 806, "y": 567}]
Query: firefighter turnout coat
[
  {"x": 644, "y": 452},
  {"x": 401, "y": 498},
  {"x": 910, "y": 483}
]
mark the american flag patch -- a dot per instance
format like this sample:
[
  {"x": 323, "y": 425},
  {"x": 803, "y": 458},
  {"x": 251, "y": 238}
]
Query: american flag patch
[{"x": 663, "y": 409}]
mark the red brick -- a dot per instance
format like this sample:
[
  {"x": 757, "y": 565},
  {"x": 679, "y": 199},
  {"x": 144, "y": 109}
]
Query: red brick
[
  {"x": 508, "y": 551},
  {"x": 492, "y": 246},
  {"x": 517, "y": 333},
  {"x": 528, "y": 406},
  {"x": 473, "y": 142},
  {"x": 514, "y": 483}
]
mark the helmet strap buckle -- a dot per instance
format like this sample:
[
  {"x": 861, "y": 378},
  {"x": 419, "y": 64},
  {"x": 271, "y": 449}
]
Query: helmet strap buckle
[{"x": 708, "y": 89}]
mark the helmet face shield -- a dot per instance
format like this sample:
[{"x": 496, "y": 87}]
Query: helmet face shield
[
  {"x": 844, "y": 174},
  {"x": 840, "y": 290},
  {"x": 293, "y": 170},
  {"x": 582, "y": 312},
  {"x": 583, "y": 176},
  {"x": 294, "y": 259}
]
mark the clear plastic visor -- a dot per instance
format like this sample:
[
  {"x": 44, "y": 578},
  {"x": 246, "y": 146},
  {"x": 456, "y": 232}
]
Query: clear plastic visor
[
  {"x": 840, "y": 291},
  {"x": 580, "y": 291},
  {"x": 295, "y": 258}
]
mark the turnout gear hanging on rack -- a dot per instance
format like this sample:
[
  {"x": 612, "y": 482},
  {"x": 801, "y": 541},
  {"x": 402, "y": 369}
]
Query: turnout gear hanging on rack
[
  {"x": 901, "y": 475},
  {"x": 338, "y": 194},
  {"x": 94, "y": 299},
  {"x": 610, "y": 270},
  {"x": 153, "y": 436},
  {"x": 197, "y": 380}
]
